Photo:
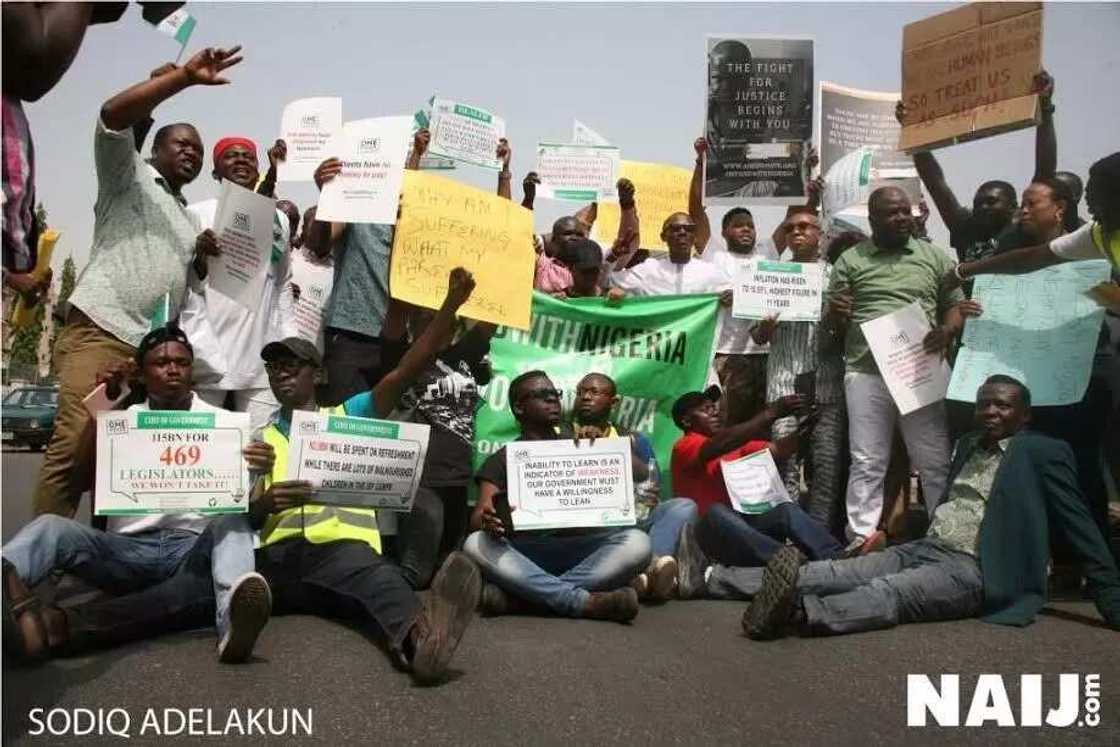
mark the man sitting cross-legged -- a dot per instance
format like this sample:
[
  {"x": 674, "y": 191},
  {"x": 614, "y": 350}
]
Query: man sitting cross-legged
[
  {"x": 985, "y": 554},
  {"x": 573, "y": 572}
]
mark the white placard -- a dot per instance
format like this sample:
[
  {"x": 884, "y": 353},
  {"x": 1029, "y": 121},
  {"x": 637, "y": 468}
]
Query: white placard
[
  {"x": 790, "y": 290},
  {"x": 584, "y": 135},
  {"x": 914, "y": 377},
  {"x": 358, "y": 461},
  {"x": 315, "y": 281},
  {"x": 581, "y": 173},
  {"x": 243, "y": 223},
  {"x": 373, "y": 154},
  {"x": 307, "y": 127},
  {"x": 171, "y": 461},
  {"x": 753, "y": 483},
  {"x": 465, "y": 133},
  {"x": 556, "y": 484}
]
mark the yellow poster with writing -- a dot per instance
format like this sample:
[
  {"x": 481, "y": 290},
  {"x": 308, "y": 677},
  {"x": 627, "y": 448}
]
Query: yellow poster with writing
[
  {"x": 659, "y": 191},
  {"x": 444, "y": 224}
]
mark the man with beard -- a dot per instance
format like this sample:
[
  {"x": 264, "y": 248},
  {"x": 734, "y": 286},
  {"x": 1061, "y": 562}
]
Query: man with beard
[{"x": 143, "y": 243}]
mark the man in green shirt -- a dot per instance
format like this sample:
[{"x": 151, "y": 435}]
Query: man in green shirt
[{"x": 876, "y": 277}]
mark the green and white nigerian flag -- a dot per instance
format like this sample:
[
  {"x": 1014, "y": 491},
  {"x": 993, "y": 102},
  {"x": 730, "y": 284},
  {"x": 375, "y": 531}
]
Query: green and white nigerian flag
[
  {"x": 655, "y": 349},
  {"x": 178, "y": 26}
]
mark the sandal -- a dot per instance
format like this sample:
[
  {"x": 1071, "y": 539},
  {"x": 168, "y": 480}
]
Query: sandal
[{"x": 25, "y": 633}]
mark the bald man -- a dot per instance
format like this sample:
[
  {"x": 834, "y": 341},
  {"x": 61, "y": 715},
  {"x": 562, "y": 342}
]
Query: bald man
[{"x": 876, "y": 277}]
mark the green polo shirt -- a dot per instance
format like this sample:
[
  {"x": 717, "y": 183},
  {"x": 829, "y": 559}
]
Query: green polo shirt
[{"x": 883, "y": 280}]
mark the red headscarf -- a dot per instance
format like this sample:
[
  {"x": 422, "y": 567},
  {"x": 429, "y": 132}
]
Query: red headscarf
[{"x": 226, "y": 143}]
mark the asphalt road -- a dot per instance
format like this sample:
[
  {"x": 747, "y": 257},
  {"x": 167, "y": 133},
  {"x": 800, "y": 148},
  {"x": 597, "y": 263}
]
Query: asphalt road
[{"x": 681, "y": 674}]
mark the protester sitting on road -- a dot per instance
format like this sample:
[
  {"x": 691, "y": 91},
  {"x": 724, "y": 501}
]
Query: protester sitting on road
[
  {"x": 986, "y": 552},
  {"x": 226, "y": 334},
  {"x": 143, "y": 244},
  {"x": 877, "y": 277},
  {"x": 806, "y": 349},
  {"x": 574, "y": 573},
  {"x": 735, "y": 538},
  {"x": 596, "y": 398},
  {"x": 139, "y": 551}
]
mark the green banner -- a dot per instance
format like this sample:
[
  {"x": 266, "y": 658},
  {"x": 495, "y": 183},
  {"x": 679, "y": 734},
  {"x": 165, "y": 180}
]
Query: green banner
[
  {"x": 654, "y": 348},
  {"x": 362, "y": 427},
  {"x": 174, "y": 419}
]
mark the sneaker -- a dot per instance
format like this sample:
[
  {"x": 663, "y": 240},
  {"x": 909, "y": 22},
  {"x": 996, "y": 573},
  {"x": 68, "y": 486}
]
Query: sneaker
[
  {"x": 451, "y": 606},
  {"x": 620, "y": 605},
  {"x": 662, "y": 577},
  {"x": 493, "y": 602},
  {"x": 860, "y": 546},
  {"x": 640, "y": 584},
  {"x": 692, "y": 564},
  {"x": 771, "y": 609},
  {"x": 250, "y": 605}
]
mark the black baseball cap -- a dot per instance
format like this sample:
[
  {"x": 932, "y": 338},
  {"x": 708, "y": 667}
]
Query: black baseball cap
[
  {"x": 585, "y": 254},
  {"x": 293, "y": 347},
  {"x": 167, "y": 333},
  {"x": 691, "y": 400}
]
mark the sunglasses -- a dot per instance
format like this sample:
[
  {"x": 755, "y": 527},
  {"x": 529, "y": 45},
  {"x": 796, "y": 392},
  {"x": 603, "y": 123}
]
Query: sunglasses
[{"x": 544, "y": 395}]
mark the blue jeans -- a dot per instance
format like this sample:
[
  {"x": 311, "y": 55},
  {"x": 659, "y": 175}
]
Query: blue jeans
[
  {"x": 920, "y": 581},
  {"x": 560, "y": 572},
  {"x": 664, "y": 524},
  {"x": 731, "y": 538},
  {"x": 121, "y": 563}
]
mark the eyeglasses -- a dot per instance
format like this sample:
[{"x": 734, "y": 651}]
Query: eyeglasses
[
  {"x": 289, "y": 367},
  {"x": 544, "y": 395}
]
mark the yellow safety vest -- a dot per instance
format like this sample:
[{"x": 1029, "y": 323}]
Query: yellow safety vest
[
  {"x": 1110, "y": 248},
  {"x": 314, "y": 522}
]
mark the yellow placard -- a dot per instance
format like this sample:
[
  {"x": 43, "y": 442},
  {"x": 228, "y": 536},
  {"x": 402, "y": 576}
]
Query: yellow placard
[
  {"x": 659, "y": 191},
  {"x": 22, "y": 314},
  {"x": 444, "y": 224}
]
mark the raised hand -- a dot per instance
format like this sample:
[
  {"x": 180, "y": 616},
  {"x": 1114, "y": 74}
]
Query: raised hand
[
  {"x": 460, "y": 285},
  {"x": 625, "y": 189},
  {"x": 206, "y": 67},
  {"x": 278, "y": 152},
  {"x": 326, "y": 171},
  {"x": 1043, "y": 85},
  {"x": 420, "y": 141},
  {"x": 504, "y": 153}
]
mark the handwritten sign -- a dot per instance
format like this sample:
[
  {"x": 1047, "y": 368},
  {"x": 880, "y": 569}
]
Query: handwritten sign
[
  {"x": 466, "y": 133},
  {"x": 968, "y": 73},
  {"x": 914, "y": 377},
  {"x": 659, "y": 190},
  {"x": 1040, "y": 328},
  {"x": 753, "y": 483},
  {"x": 243, "y": 223},
  {"x": 358, "y": 461},
  {"x": 577, "y": 172},
  {"x": 373, "y": 153},
  {"x": 445, "y": 224},
  {"x": 171, "y": 461},
  {"x": 307, "y": 126},
  {"x": 555, "y": 484},
  {"x": 791, "y": 290}
]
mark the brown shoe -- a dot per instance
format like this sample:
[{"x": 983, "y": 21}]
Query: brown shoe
[
  {"x": 25, "y": 633},
  {"x": 662, "y": 578},
  {"x": 451, "y": 608},
  {"x": 620, "y": 605}
]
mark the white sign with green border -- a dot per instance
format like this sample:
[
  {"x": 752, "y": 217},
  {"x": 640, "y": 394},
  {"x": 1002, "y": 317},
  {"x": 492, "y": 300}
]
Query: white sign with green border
[
  {"x": 465, "y": 133},
  {"x": 790, "y": 290},
  {"x": 171, "y": 461},
  {"x": 358, "y": 462},
  {"x": 581, "y": 173}
]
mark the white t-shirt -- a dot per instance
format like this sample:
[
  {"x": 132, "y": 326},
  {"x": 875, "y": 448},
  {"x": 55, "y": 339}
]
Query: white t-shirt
[
  {"x": 136, "y": 524},
  {"x": 315, "y": 281},
  {"x": 735, "y": 334},
  {"x": 660, "y": 276},
  {"x": 1078, "y": 245},
  {"x": 228, "y": 338}
]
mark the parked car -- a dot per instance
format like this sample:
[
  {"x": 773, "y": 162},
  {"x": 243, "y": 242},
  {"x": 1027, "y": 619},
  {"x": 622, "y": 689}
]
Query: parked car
[{"x": 28, "y": 416}]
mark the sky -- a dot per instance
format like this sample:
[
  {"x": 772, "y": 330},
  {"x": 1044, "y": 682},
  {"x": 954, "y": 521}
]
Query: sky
[{"x": 634, "y": 72}]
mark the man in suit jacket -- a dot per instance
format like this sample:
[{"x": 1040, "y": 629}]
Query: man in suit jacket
[{"x": 985, "y": 554}]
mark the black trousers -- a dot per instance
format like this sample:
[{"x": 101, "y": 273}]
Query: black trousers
[
  {"x": 344, "y": 579},
  {"x": 434, "y": 528},
  {"x": 352, "y": 362}
]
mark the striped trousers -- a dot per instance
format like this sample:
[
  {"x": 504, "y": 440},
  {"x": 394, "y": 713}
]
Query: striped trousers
[{"x": 826, "y": 452}]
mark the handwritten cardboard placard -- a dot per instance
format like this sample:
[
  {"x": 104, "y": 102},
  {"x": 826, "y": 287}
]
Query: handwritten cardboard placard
[
  {"x": 659, "y": 191},
  {"x": 445, "y": 224}
]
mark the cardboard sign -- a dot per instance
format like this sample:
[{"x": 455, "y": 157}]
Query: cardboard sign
[
  {"x": 968, "y": 73},
  {"x": 556, "y": 484},
  {"x": 445, "y": 224},
  {"x": 659, "y": 191},
  {"x": 358, "y": 461},
  {"x": 171, "y": 461}
]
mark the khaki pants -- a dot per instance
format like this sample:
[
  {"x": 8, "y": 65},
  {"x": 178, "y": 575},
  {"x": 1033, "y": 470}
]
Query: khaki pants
[{"x": 80, "y": 351}]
